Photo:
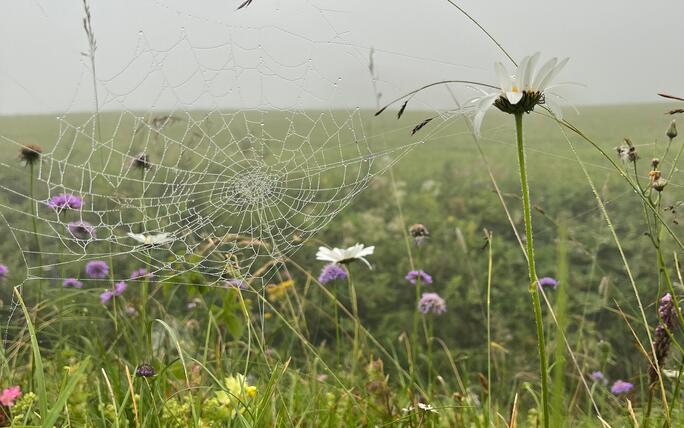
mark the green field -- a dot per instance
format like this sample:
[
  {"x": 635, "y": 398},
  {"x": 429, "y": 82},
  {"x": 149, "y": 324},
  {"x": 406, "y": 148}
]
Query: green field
[{"x": 297, "y": 347}]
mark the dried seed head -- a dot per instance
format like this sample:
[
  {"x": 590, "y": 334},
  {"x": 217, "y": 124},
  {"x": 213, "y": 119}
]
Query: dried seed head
[
  {"x": 142, "y": 161},
  {"x": 418, "y": 230},
  {"x": 659, "y": 184},
  {"x": 654, "y": 163},
  {"x": 627, "y": 152},
  {"x": 30, "y": 153},
  {"x": 145, "y": 370},
  {"x": 672, "y": 130},
  {"x": 419, "y": 233}
]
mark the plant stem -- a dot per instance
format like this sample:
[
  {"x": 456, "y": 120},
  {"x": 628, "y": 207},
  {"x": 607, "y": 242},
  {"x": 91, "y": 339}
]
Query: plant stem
[
  {"x": 355, "y": 314},
  {"x": 35, "y": 227},
  {"x": 534, "y": 289}
]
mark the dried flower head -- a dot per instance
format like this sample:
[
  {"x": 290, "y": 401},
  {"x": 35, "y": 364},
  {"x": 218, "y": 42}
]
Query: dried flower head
[
  {"x": 30, "y": 153},
  {"x": 141, "y": 161},
  {"x": 657, "y": 181},
  {"x": 627, "y": 152},
  {"x": 672, "y": 130},
  {"x": 145, "y": 370},
  {"x": 419, "y": 233},
  {"x": 654, "y": 163}
]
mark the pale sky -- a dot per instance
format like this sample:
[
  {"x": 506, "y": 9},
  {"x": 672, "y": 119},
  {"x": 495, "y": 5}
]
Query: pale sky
[{"x": 180, "y": 54}]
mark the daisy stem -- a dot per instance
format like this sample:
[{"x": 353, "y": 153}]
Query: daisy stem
[
  {"x": 534, "y": 289},
  {"x": 355, "y": 314}
]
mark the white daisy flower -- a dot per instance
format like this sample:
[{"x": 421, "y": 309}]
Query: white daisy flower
[
  {"x": 340, "y": 256},
  {"x": 152, "y": 240},
  {"x": 427, "y": 408},
  {"x": 522, "y": 91}
]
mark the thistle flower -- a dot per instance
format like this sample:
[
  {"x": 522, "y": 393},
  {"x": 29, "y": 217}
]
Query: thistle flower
[
  {"x": 331, "y": 272},
  {"x": 4, "y": 271},
  {"x": 97, "y": 269},
  {"x": 548, "y": 282},
  {"x": 145, "y": 370},
  {"x": 81, "y": 230},
  {"x": 415, "y": 275},
  {"x": 672, "y": 130},
  {"x": 419, "y": 233},
  {"x": 141, "y": 161},
  {"x": 106, "y": 296},
  {"x": 72, "y": 282},
  {"x": 141, "y": 274},
  {"x": 621, "y": 387},
  {"x": 30, "y": 153},
  {"x": 598, "y": 376},
  {"x": 64, "y": 201},
  {"x": 431, "y": 302},
  {"x": 348, "y": 255},
  {"x": 10, "y": 395},
  {"x": 661, "y": 337},
  {"x": 522, "y": 91},
  {"x": 119, "y": 288}
]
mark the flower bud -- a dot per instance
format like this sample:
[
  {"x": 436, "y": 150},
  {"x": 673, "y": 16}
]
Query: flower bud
[
  {"x": 672, "y": 130},
  {"x": 654, "y": 163}
]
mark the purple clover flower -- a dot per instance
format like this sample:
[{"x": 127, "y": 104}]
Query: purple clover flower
[
  {"x": 72, "y": 282},
  {"x": 4, "y": 271},
  {"x": 65, "y": 201},
  {"x": 331, "y": 272},
  {"x": 81, "y": 230},
  {"x": 119, "y": 288},
  {"x": 416, "y": 275},
  {"x": 548, "y": 282},
  {"x": 597, "y": 376},
  {"x": 97, "y": 269},
  {"x": 141, "y": 274},
  {"x": 431, "y": 302},
  {"x": 106, "y": 296},
  {"x": 621, "y": 387}
]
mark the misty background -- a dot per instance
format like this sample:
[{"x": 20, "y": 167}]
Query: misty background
[{"x": 314, "y": 54}]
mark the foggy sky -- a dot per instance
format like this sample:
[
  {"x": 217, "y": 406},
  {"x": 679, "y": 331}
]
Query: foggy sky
[{"x": 180, "y": 54}]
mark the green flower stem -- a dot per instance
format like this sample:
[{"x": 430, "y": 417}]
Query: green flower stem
[
  {"x": 534, "y": 289},
  {"x": 355, "y": 314},
  {"x": 35, "y": 227}
]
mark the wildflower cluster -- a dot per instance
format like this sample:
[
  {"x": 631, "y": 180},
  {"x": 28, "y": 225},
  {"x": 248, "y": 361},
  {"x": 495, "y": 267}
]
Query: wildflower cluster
[
  {"x": 661, "y": 337},
  {"x": 234, "y": 398},
  {"x": 278, "y": 291}
]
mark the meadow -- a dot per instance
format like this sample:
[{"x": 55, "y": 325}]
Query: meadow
[{"x": 181, "y": 349}]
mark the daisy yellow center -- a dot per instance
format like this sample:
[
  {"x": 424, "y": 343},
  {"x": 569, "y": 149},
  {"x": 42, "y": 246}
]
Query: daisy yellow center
[{"x": 514, "y": 89}]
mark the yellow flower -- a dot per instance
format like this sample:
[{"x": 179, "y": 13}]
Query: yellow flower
[{"x": 278, "y": 291}]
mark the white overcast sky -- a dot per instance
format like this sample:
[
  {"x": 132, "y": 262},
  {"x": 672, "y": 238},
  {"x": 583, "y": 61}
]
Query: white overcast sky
[{"x": 180, "y": 54}]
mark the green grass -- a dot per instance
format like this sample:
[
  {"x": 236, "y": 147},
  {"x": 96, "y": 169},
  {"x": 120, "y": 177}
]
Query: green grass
[{"x": 79, "y": 357}]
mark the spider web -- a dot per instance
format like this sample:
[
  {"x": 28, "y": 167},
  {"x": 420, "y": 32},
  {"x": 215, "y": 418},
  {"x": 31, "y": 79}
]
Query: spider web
[{"x": 236, "y": 190}]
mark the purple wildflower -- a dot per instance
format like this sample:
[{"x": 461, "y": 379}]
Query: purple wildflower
[
  {"x": 235, "y": 283},
  {"x": 331, "y": 272},
  {"x": 548, "y": 282},
  {"x": 431, "y": 302},
  {"x": 598, "y": 376},
  {"x": 119, "y": 288},
  {"x": 141, "y": 274},
  {"x": 65, "y": 201},
  {"x": 145, "y": 370},
  {"x": 3, "y": 272},
  {"x": 106, "y": 296},
  {"x": 97, "y": 269},
  {"x": 621, "y": 387},
  {"x": 81, "y": 230},
  {"x": 416, "y": 275},
  {"x": 661, "y": 337},
  {"x": 72, "y": 282}
]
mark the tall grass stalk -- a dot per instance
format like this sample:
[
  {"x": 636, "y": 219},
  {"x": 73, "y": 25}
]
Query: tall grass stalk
[
  {"x": 534, "y": 289},
  {"x": 490, "y": 260}
]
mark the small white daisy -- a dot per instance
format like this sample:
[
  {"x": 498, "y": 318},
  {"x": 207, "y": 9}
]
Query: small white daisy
[
  {"x": 339, "y": 255},
  {"x": 427, "y": 407},
  {"x": 152, "y": 240}
]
